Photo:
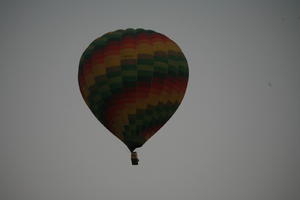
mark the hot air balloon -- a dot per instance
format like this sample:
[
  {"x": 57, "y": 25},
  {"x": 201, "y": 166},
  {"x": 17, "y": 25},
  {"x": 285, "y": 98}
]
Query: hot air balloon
[{"x": 133, "y": 81}]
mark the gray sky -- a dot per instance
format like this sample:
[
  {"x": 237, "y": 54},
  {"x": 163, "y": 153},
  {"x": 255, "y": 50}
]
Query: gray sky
[{"x": 235, "y": 136}]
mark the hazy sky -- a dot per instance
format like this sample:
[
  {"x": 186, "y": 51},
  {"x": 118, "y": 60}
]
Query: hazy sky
[{"x": 236, "y": 135}]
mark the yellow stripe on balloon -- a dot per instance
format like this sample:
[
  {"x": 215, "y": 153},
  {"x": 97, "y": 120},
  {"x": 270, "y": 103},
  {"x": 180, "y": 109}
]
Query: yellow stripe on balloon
[
  {"x": 128, "y": 53},
  {"x": 112, "y": 61},
  {"x": 144, "y": 48}
]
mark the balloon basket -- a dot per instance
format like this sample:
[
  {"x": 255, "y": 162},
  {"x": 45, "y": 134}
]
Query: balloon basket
[{"x": 134, "y": 158}]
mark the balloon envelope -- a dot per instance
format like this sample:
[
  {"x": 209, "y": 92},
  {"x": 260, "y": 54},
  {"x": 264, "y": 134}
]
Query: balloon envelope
[{"x": 133, "y": 81}]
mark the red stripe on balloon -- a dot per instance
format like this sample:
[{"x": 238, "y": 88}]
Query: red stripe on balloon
[{"x": 150, "y": 131}]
